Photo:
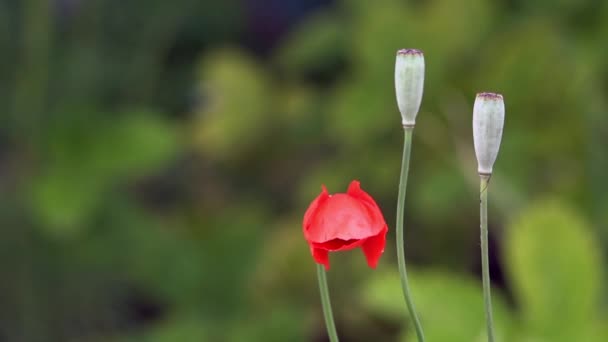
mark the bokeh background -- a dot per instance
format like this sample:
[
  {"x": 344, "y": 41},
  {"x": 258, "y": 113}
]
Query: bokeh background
[{"x": 156, "y": 158}]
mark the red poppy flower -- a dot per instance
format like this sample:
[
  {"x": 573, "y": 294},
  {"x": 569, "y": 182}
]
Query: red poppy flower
[{"x": 340, "y": 222}]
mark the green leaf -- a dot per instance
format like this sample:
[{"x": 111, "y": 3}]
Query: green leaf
[
  {"x": 86, "y": 159},
  {"x": 237, "y": 110},
  {"x": 186, "y": 328},
  {"x": 276, "y": 325},
  {"x": 450, "y": 306},
  {"x": 554, "y": 264},
  {"x": 316, "y": 45}
]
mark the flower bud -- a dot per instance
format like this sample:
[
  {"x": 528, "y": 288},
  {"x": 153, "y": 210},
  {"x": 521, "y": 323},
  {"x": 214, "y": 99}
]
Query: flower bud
[
  {"x": 488, "y": 120},
  {"x": 409, "y": 83}
]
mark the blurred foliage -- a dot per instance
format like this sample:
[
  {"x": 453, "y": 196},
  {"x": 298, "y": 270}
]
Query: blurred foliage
[
  {"x": 156, "y": 158},
  {"x": 554, "y": 269}
]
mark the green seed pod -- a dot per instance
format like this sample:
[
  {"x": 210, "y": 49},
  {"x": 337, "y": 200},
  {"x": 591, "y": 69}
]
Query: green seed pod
[
  {"x": 488, "y": 121},
  {"x": 409, "y": 84}
]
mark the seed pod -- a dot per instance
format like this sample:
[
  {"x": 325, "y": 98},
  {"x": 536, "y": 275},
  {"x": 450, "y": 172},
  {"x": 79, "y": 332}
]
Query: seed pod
[
  {"x": 488, "y": 121},
  {"x": 409, "y": 84}
]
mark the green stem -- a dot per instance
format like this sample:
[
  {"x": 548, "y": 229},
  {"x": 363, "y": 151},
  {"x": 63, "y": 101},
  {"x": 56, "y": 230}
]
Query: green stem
[
  {"x": 405, "y": 165},
  {"x": 329, "y": 316},
  {"x": 485, "y": 264}
]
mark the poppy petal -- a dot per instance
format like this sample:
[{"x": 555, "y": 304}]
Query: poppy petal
[
  {"x": 345, "y": 221},
  {"x": 373, "y": 210},
  {"x": 354, "y": 190},
  {"x": 314, "y": 207},
  {"x": 341, "y": 217},
  {"x": 338, "y": 244},
  {"x": 373, "y": 248},
  {"x": 321, "y": 256}
]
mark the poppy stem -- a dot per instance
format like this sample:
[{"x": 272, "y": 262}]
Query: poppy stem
[
  {"x": 329, "y": 316},
  {"x": 405, "y": 165},
  {"x": 485, "y": 264}
]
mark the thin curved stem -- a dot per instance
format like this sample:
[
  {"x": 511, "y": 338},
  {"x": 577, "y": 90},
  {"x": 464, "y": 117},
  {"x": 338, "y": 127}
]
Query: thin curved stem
[
  {"x": 485, "y": 264},
  {"x": 329, "y": 316},
  {"x": 405, "y": 165}
]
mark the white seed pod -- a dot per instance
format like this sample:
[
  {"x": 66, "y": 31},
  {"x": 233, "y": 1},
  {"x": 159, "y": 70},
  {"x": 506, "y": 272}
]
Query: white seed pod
[
  {"x": 488, "y": 121},
  {"x": 409, "y": 84}
]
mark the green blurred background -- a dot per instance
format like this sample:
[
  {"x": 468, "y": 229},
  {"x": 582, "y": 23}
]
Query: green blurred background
[{"x": 156, "y": 158}]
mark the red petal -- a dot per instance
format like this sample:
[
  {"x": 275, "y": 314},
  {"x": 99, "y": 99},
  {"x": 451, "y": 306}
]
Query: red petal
[
  {"x": 374, "y": 212},
  {"x": 354, "y": 187},
  {"x": 354, "y": 190},
  {"x": 321, "y": 256},
  {"x": 374, "y": 247},
  {"x": 345, "y": 221},
  {"x": 338, "y": 244},
  {"x": 341, "y": 217},
  {"x": 313, "y": 209}
]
